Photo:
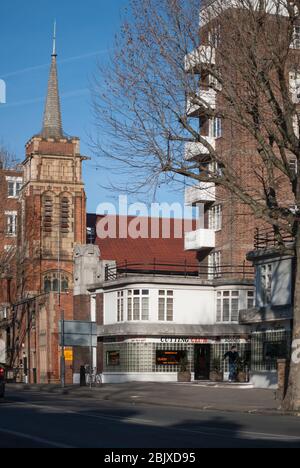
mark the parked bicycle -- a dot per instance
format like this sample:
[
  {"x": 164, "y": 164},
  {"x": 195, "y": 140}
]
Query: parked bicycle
[{"x": 93, "y": 379}]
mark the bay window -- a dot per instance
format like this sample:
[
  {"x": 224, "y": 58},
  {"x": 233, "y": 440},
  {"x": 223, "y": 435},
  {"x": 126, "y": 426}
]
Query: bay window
[
  {"x": 166, "y": 306},
  {"x": 228, "y": 306},
  {"x": 138, "y": 305}
]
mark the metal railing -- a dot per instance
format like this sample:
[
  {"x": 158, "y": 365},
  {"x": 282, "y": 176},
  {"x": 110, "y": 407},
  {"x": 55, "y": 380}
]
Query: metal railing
[
  {"x": 266, "y": 238},
  {"x": 243, "y": 271}
]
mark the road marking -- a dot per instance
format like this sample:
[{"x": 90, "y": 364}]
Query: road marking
[
  {"x": 225, "y": 433},
  {"x": 34, "y": 438},
  {"x": 218, "y": 432}
]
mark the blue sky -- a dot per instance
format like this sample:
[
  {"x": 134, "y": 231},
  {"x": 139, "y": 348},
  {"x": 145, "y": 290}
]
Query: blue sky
[{"x": 85, "y": 36}]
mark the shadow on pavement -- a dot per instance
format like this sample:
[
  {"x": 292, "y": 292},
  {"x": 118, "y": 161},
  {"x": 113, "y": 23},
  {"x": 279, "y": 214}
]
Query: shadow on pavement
[{"x": 125, "y": 428}]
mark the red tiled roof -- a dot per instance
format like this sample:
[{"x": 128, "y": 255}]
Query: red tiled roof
[{"x": 159, "y": 254}]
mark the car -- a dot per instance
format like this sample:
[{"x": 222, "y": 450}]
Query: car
[{"x": 2, "y": 381}]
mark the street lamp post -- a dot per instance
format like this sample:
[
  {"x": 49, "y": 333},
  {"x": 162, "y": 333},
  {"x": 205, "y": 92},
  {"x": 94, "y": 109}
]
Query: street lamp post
[
  {"x": 62, "y": 317},
  {"x": 62, "y": 358}
]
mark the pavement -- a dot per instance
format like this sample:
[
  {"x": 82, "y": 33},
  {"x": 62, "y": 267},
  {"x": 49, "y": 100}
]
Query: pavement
[
  {"x": 39, "y": 419},
  {"x": 230, "y": 398}
]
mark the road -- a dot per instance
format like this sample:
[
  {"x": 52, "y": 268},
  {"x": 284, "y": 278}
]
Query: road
[{"x": 40, "y": 420}]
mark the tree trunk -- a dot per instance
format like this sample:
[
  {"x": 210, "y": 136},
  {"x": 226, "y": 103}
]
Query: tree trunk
[{"x": 292, "y": 398}]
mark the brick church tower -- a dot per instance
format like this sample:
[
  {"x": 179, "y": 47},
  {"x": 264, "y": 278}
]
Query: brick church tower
[
  {"x": 52, "y": 221},
  {"x": 53, "y": 201}
]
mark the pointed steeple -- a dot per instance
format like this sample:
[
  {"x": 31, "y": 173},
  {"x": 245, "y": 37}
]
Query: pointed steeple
[{"x": 52, "y": 123}]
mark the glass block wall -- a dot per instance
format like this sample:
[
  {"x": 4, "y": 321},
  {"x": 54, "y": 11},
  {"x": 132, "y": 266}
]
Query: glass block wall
[
  {"x": 219, "y": 350},
  {"x": 269, "y": 346},
  {"x": 141, "y": 357}
]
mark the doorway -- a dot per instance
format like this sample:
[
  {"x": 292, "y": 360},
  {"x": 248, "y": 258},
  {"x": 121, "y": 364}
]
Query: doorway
[{"x": 202, "y": 362}]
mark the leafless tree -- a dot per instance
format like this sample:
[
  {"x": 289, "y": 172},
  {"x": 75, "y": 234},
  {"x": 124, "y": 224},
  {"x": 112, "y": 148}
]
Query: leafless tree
[
  {"x": 7, "y": 159},
  {"x": 6, "y": 259},
  {"x": 144, "y": 122}
]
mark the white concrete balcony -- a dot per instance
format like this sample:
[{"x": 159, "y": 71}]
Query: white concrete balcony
[
  {"x": 211, "y": 9},
  {"x": 203, "y": 192},
  {"x": 207, "y": 100},
  {"x": 194, "y": 61},
  {"x": 198, "y": 150},
  {"x": 200, "y": 239}
]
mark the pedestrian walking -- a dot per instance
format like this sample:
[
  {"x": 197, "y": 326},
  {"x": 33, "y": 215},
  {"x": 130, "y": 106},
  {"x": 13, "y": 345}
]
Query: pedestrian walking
[{"x": 233, "y": 357}]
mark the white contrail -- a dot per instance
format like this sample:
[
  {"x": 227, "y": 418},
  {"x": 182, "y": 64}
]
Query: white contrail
[
  {"x": 46, "y": 65},
  {"x": 25, "y": 102}
]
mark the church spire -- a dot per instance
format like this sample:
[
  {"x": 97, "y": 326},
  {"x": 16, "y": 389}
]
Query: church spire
[
  {"x": 54, "y": 40},
  {"x": 52, "y": 123}
]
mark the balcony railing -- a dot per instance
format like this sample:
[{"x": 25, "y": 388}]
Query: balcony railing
[
  {"x": 204, "y": 55},
  {"x": 200, "y": 239},
  {"x": 203, "y": 192},
  {"x": 266, "y": 239},
  {"x": 198, "y": 150},
  {"x": 114, "y": 272},
  {"x": 208, "y": 96}
]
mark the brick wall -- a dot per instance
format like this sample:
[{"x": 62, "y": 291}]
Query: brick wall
[{"x": 7, "y": 286}]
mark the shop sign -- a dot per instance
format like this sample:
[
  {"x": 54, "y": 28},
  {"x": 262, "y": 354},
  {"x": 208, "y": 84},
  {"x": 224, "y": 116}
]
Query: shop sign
[
  {"x": 186, "y": 341},
  {"x": 69, "y": 355},
  {"x": 169, "y": 358},
  {"x": 234, "y": 340}
]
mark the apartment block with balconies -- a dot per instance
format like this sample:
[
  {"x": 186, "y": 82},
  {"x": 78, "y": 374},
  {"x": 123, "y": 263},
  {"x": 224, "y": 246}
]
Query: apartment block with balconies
[{"x": 225, "y": 227}]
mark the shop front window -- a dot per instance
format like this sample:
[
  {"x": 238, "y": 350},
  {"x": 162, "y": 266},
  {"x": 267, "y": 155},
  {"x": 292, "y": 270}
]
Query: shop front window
[{"x": 269, "y": 346}]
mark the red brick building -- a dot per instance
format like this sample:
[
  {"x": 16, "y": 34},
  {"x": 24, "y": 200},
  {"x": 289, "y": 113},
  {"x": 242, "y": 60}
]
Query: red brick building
[
  {"x": 226, "y": 226},
  {"x": 10, "y": 185},
  {"x": 51, "y": 221}
]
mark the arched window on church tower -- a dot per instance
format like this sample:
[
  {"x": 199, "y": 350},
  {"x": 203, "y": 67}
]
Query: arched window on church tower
[
  {"x": 55, "y": 284},
  {"x": 52, "y": 280},
  {"x": 64, "y": 283},
  {"x": 65, "y": 215},
  {"x": 47, "y": 214},
  {"x": 47, "y": 284}
]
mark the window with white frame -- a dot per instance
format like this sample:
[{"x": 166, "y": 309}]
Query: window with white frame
[
  {"x": 215, "y": 169},
  {"x": 296, "y": 123},
  {"x": 11, "y": 223},
  {"x": 94, "y": 308},
  {"x": 228, "y": 306},
  {"x": 250, "y": 299},
  {"x": 216, "y": 127},
  {"x": 293, "y": 166},
  {"x": 14, "y": 185},
  {"x": 166, "y": 306},
  {"x": 214, "y": 36},
  {"x": 214, "y": 265},
  {"x": 294, "y": 77},
  {"x": 266, "y": 283},
  {"x": 138, "y": 305},
  {"x": 120, "y": 306},
  {"x": 296, "y": 38},
  {"x": 215, "y": 218},
  {"x": 3, "y": 313}
]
